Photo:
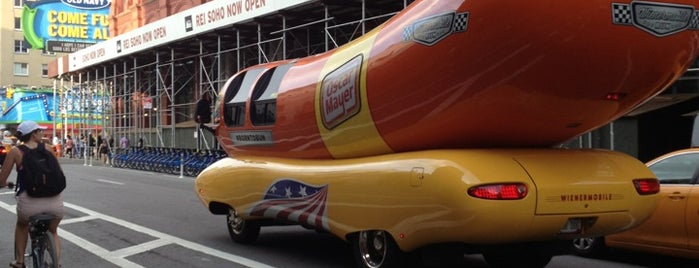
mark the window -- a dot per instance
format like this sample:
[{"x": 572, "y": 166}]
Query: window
[
  {"x": 263, "y": 109},
  {"x": 21, "y": 46},
  {"x": 46, "y": 52},
  {"x": 234, "y": 114},
  {"x": 18, "y": 3},
  {"x": 678, "y": 169},
  {"x": 236, "y": 96},
  {"x": 44, "y": 70},
  {"x": 123, "y": 6},
  {"x": 18, "y": 24},
  {"x": 21, "y": 68}
]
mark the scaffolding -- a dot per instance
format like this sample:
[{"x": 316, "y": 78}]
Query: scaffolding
[{"x": 150, "y": 97}]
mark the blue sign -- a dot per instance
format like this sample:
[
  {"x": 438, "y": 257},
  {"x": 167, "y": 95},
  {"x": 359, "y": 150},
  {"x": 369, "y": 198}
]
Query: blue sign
[{"x": 57, "y": 25}]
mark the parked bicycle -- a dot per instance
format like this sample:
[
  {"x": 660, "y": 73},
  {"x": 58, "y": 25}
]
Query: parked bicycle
[
  {"x": 167, "y": 160},
  {"x": 43, "y": 247}
]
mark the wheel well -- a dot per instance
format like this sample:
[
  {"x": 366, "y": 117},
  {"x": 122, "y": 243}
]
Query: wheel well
[
  {"x": 350, "y": 236},
  {"x": 219, "y": 208}
]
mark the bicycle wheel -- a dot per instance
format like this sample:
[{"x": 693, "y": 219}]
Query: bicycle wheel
[{"x": 46, "y": 253}]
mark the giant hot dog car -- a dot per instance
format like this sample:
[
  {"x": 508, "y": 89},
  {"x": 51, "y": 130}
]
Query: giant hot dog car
[{"x": 440, "y": 127}]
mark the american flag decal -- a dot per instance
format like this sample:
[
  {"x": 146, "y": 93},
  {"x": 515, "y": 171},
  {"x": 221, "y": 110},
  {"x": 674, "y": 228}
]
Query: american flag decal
[{"x": 294, "y": 201}]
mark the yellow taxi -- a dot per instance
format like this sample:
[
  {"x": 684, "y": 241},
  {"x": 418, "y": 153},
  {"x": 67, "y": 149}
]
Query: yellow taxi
[{"x": 673, "y": 228}]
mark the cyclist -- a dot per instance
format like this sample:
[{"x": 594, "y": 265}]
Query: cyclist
[{"x": 31, "y": 134}]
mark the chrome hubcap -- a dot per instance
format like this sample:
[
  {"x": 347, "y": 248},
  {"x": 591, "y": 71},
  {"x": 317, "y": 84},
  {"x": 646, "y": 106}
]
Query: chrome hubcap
[
  {"x": 584, "y": 243},
  {"x": 372, "y": 247}
]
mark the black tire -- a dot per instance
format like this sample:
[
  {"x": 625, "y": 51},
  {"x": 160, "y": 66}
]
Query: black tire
[
  {"x": 46, "y": 253},
  {"x": 241, "y": 230},
  {"x": 521, "y": 257},
  {"x": 377, "y": 249},
  {"x": 589, "y": 246}
]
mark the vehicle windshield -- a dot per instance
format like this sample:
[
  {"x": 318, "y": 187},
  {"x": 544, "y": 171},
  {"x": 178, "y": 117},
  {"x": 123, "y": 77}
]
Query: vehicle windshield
[{"x": 678, "y": 169}]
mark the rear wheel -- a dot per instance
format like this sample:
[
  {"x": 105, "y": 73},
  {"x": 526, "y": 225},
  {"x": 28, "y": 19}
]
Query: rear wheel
[
  {"x": 588, "y": 246},
  {"x": 46, "y": 253},
  {"x": 240, "y": 230},
  {"x": 377, "y": 249}
]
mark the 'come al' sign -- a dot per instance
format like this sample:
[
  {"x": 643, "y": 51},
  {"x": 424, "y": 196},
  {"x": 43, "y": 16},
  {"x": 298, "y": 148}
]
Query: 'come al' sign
[{"x": 65, "y": 25}]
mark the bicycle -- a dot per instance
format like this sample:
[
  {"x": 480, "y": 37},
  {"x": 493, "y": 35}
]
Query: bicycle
[{"x": 43, "y": 247}]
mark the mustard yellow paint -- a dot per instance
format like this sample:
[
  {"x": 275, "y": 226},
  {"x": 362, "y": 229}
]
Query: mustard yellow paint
[{"x": 357, "y": 133}]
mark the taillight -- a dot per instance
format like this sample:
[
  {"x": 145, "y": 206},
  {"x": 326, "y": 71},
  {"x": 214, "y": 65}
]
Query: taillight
[
  {"x": 615, "y": 96},
  {"x": 503, "y": 191},
  {"x": 646, "y": 186}
]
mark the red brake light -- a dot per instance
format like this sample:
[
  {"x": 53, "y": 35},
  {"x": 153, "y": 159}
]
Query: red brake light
[
  {"x": 646, "y": 186},
  {"x": 504, "y": 191},
  {"x": 615, "y": 96}
]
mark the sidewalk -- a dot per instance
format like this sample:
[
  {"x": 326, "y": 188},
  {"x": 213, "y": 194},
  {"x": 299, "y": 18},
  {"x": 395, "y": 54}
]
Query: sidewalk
[{"x": 75, "y": 161}]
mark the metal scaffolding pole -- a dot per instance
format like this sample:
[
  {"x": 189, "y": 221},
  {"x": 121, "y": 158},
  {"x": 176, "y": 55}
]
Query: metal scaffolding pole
[{"x": 173, "y": 137}]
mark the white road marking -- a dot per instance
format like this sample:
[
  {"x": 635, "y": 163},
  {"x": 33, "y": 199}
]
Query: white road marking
[
  {"x": 118, "y": 257},
  {"x": 112, "y": 182}
]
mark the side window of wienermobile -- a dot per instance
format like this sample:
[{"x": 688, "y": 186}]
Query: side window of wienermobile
[
  {"x": 263, "y": 109},
  {"x": 229, "y": 110},
  {"x": 236, "y": 96}
]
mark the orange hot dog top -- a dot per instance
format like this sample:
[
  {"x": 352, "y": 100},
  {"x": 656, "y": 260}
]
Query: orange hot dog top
[{"x": 463, "y": 74}]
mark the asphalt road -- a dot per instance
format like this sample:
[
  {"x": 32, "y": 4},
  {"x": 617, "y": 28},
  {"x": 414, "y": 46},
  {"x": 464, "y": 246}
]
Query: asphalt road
[{"x": 129, "y": 218}]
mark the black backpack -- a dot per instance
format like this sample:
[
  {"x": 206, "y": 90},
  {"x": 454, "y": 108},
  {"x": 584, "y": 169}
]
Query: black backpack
[{"x": 43, "y": 176}]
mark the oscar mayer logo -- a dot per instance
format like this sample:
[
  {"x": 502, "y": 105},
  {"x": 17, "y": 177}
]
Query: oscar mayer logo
[
  {"x": 658, "y": 19},
  {"x": 339, "y": 92}
]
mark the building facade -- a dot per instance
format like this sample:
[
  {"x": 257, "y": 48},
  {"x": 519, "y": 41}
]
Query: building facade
[
  {"x": 128, "y": 15},
  {"x": 20, "y": 66}
]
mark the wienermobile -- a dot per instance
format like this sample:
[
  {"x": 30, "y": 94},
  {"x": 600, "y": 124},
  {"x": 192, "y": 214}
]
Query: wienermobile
[{"x": 441, "y": 126}]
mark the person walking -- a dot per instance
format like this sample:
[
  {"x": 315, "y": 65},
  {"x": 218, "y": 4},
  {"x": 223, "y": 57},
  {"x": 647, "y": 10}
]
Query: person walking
[
  {"x": 124, "y": 143},
  {"x": 80, "y": 146},
  {"x": 69, "y": 146},
  {"x": 104, "y": 152},
  {"x": 31, "y": 135}
]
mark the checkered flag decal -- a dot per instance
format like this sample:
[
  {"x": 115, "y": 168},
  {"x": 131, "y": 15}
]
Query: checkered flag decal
[
  {"x": 461, "y": 22},
  {"x": 621, "y": 14},
  {"x": 694, "y": 23},
  {"x": 408, "y": 33}
]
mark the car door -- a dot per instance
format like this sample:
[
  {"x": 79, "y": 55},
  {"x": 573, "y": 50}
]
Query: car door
[
  {"x": 668, "y": 225},
  {"x": 693, "y": 218}
]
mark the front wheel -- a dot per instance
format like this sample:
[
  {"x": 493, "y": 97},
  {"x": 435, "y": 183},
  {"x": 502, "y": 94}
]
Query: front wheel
[
  {"x": 240, "y": 230},
  {"x": 45, "y": 253},
  {"x": 377, "y": 249}
]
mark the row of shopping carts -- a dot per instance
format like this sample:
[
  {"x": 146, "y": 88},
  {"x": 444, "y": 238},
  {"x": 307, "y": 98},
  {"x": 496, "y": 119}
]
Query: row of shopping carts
[{"x": 186, "y": 162}]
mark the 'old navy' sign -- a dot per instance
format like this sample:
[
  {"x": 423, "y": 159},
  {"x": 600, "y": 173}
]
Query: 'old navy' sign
[{"x": 87, "y": 4}]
